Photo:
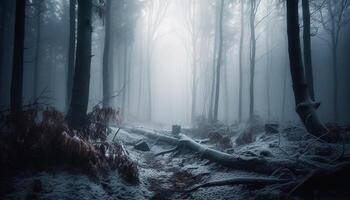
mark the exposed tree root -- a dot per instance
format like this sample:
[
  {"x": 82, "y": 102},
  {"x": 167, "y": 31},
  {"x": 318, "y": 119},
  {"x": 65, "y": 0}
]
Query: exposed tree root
[{"x": 240, "y": 180}]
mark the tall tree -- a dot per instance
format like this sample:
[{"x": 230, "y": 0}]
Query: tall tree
[
  {"x": 305, "y": 108},
  {"x": 254, "y": 5},
  {"x": 17, "y": 69},
  {"x": 307, "y": 47},
  {"x": 218, "y": 66},
  {"x": 81, "y": 82},
  {"x": 215, "y": 51},
  {"x": 37, "y": 48},
  {"x": 71, "y": 50},
  {"x": 241, "y": 63},
  {"x": 193, "y": 32},
  {"x": 107, "y": 74},
  {"x": 3, "y": 8}
]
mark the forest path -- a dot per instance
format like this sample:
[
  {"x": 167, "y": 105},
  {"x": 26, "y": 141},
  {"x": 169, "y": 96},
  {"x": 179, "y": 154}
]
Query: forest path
[{"x": 166, "y": 176}]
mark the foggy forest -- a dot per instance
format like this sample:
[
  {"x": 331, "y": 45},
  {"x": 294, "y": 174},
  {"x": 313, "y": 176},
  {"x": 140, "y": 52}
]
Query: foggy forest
[{"x": 174, "y": 99}]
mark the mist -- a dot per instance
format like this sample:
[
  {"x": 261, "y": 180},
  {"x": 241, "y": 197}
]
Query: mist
[{"x": 233, "y": 68}]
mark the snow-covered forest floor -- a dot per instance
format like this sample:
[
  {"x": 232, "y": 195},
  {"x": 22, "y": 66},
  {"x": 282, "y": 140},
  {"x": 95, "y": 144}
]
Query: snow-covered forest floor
[{"x": 168, "y": 176}]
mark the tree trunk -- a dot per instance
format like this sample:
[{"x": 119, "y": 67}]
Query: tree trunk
[
  {"x": 107, "y": 74},
  {"x": 17, "y": 70},
  {"x": 307, "y": 48},
  {"x": 37, "y": 50},
  {"x": 212, "y": 89},
  {"x": 335, "y": 79},
  {"x": 268, "y": 63},
  {"x": 81, "y": 81},
  {"x": 226, "y": 92},
  {"x": 241, "y": 64},
  {"x": 194, "y": 65},
  {"x": 3, "y": 10},
  {"x": 218, "y": 66},
  {"x": 71, "y": 50},
  {"x": 284, "y": 95},
  {"x": 125, "y": 82},
  {"x": 252, "y": 57},
  {"x": 149, "y": 80},
  {"x": 305, "y": 108}
]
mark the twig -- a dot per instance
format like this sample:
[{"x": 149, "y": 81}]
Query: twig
[{"x": 115, "y": 134}]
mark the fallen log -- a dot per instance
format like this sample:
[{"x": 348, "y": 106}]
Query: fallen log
[
  {"x": 154, "y": 135},
  {"x": 241, "y": 180},
  {"x": 239, "y": 162}
]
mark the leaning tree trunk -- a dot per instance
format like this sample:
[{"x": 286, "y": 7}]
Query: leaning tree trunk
[
  {"x": 71, "y": 50},
  {"x": 307, "y": 48},
  {"x": 218, "y": 66},
  {"x": 107, "y": 79},
  {"x": 17, "y": 70},
  {"x": 305, "y": 108},
  {"x": 81, "y": 81}
]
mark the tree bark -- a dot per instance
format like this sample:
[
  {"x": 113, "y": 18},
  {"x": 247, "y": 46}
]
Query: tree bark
[
  {"x": 81, "y": 81},
  {"x": 107, "y": 74},
  {"x": 71, "y": 50},
  {"x": 218, "y": 66},
  {"x": 305, "y": 108},
  {"x": 17, "y": 70},
  {"x": 307, "y": 48}
]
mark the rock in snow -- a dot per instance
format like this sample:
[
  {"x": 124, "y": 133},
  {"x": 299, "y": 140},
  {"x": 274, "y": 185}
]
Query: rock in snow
[{"x": 142, "y": 146}]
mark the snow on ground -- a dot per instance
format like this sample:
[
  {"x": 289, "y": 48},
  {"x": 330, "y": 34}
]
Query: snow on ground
[{"x": 162, "y": 176}]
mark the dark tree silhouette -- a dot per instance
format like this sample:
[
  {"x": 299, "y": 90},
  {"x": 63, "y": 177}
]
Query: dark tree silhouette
[
  {"x": 17, "y": 69},
  {"x": 71, "y": 50},
  {"x": 305, "y": 108},
  {"x": 37, "y": 47},
  {"x": 81, "y": 80},
  {"x": 307, "y": 48}
]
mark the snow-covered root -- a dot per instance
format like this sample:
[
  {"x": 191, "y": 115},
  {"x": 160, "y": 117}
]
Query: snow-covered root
[{"x": 240, "y": 180}]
